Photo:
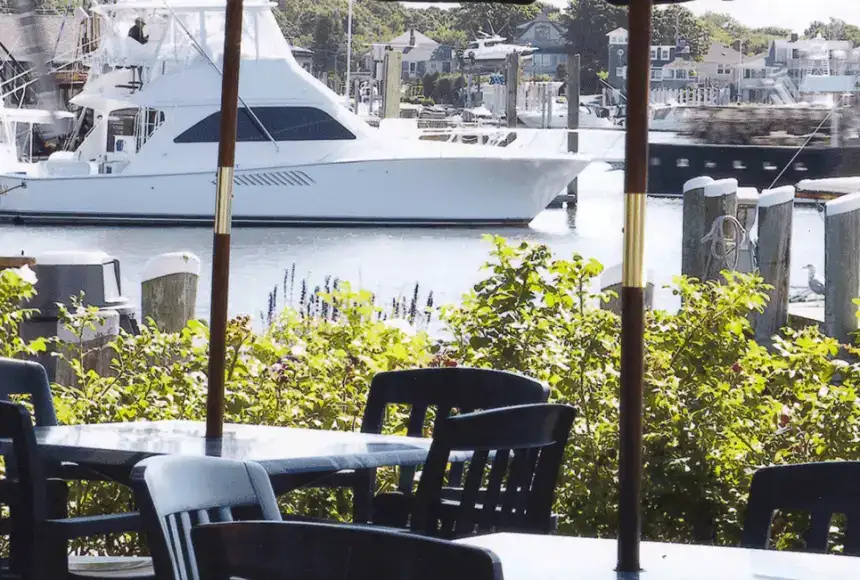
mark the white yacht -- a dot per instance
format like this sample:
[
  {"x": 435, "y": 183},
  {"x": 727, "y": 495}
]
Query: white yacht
[
  {"x": 494, "y": 48},
  {"x": 301, "y": 157}
]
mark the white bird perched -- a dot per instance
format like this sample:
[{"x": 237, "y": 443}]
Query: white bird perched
[{"x": 815, "y": 284}]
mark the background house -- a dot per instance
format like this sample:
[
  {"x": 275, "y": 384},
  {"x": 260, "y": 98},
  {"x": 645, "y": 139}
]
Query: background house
[
  {"x": 672, "y": 67},
  {"x": 549, "y": 37},
  {"x": 719, "y": 67},
  {"x": 305, "y": 57},
  {"x": 421, "y": 55}
]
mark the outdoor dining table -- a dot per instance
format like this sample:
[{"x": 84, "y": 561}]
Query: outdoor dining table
[
  {"x": 288, "y": 454},
  {"x": 527, "y": 557}
]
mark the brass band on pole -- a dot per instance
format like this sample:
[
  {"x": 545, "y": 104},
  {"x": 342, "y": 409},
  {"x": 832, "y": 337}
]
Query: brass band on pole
[
  {"x": 633, "y": 269},
  {"x": 224, "y": 200}
]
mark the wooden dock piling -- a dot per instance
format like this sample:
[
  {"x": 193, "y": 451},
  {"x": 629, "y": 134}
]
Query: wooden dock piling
[
  {"x": 841, "y": 266},
  {"x": 573, "y": 118},
  {"x": 693, "y": 227},
  {"x": 512, "y": 79},
  {"x": 721, "y": 199},
  {"x": 169, "y": 290},
  {"x": 391, "y": 67},
  {"x": 773, "y": 258},
  {"x": 610, "y": 280}
]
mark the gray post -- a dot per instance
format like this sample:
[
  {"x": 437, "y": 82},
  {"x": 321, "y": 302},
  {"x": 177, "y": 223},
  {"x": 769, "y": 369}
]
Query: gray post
[
  {"x": 549, "y": 101},
  {"x": 573, "y": 61},
  {"x": 357, "y": 95},
  {"x": 512, "y": 79},
  {"x": 391, "y": 84},
  {"x": 721, "y": 198},
  {"x": 92, "y": 344},
  {"x": 610, "y": 279},
  {"x": 773, "y": 256},
  {"x": 693, "y": 228},
  {"x": 169, "y": 290},
  {"x": 841, "y": 266},
  {"x": 542, "y": 92}
]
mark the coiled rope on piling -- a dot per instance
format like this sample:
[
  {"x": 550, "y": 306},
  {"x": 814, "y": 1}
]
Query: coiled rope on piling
[{"x": 725, "y": 251}]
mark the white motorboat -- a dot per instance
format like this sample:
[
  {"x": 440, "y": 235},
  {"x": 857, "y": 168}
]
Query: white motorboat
[
  {"x": 535, "y": 112},
  {"x": 588, "y": 119},
  {"x": 494, "y": 48},
  {"x": 301, "y": 157}
]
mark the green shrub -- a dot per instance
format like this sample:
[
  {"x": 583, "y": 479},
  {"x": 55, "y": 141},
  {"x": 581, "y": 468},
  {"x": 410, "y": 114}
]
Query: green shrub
[{"x": 717, "y": 405}]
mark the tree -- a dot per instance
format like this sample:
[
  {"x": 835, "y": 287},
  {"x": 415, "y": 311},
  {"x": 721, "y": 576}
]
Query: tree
[
  {"x": 851, "y": 33},
  {"x": 449, "y": 37},
  {"x": 815, "y": 28},
  {"x": 588, "y": 22},
  {"x": 677, "y": 23},
  {"x": 493, "y": 18}
]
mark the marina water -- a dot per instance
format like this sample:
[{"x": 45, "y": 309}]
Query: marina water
[{"x": 389, "y": 261}]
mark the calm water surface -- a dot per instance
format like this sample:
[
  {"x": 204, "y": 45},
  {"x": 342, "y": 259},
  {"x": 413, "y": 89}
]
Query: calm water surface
[{"x": 389, "y": 261}]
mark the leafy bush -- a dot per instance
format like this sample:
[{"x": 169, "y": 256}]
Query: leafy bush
[{"x": 717, "y": 405}]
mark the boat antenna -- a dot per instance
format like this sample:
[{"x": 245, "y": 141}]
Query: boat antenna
[
  {"x": 202, "y": 52},
  {"x": 808, "y": 139}
]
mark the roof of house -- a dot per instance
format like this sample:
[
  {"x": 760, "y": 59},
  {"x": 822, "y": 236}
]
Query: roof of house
[
  {"x": 420, "y": 39},
  {"x": 541, "y": 18},
  {"x": 721, "y": 54},
  {"x": 755, "y": 61},
  {"x": 59, "y": 34},
  {"x": 622, "y": 29},
  {"x": 301, "y": 51}
]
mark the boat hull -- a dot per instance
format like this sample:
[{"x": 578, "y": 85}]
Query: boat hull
[
  {"x": 409, "y": 191},
  {"x": 759, "y": 166}
]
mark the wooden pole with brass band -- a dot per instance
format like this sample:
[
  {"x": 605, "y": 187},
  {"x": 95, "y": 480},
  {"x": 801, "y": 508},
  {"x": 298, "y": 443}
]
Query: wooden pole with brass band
[
  {"x": 633, "y": 286},
  {"x": 223, "y": 217}
]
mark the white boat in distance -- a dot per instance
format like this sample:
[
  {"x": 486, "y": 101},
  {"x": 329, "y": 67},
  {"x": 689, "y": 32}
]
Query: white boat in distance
[
  {"x": 493, "y": 48},
  {"x": 301, "y": 157}
]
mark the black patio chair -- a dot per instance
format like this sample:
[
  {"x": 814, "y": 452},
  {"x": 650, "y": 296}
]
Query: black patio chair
[
  {"x": 317, "y": 551},
  {"x": 517, "y": 451},
  {"x": 442, "y": 391},
  {"x": 39, "y": 525},
  {"x": 176, "y": 493},
  {"x": 29, "y": 379},
  {"x": 818, "y": 489}
]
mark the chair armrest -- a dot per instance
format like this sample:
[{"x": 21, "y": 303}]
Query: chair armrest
[{"x": 83, "y": 526}]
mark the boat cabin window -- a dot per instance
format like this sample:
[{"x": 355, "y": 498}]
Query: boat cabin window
[{"x": 283, "y": 123}]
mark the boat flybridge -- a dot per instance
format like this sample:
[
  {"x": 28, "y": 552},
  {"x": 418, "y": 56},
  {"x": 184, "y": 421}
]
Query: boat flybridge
[
  {"x": 150, "y": 156},
  {"x": 493, "y": 47}
]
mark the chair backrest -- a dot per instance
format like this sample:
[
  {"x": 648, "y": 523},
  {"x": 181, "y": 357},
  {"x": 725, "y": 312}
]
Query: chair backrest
[
  {"x": 18, "y": 377},
  {"x": 314, "y": 551},
  {"x": 445, "y": 389},
  {"x": 31, "y": 497},
  {"x": 175, "y": 493},
  {"x": 819, "y": 489},
  {"x": 527, "y": 447}
]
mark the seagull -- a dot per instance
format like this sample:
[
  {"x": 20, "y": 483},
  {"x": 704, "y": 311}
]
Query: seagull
[{"x": 815, "y": 284}]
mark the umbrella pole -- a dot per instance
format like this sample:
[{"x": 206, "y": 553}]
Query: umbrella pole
[
  {"x": 223, "y": 200},
  {"x": 633, "y": 286}
]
